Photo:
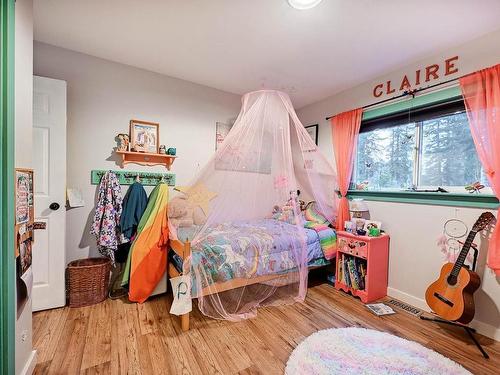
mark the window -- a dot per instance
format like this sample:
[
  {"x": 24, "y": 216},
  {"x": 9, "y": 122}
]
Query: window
[{"x": 424, "y": 148}]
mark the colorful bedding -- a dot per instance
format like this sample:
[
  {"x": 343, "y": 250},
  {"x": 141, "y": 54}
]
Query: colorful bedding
[
  {"x": 327, "y": 238},
  {"x": 249, "y": 249}
]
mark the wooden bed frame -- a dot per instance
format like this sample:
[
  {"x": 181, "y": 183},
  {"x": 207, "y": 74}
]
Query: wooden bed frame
[{"x": 183, "y": 249}]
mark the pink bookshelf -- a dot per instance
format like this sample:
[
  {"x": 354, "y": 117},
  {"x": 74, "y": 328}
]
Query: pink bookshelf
[{"x": 372, "y": 254}]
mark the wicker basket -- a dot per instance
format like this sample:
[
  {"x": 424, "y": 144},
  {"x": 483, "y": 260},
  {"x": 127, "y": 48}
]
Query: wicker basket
[{"x": 87, "y": 281}]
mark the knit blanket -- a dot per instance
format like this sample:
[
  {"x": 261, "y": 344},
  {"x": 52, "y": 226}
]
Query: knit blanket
[{"x": 327, "y": 238}]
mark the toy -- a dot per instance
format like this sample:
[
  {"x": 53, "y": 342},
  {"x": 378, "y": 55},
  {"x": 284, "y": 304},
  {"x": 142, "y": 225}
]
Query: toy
[
  {"x": 162, "y": 150},
  {"x": 474, "y": 187},
  {"x": 287, "y": 212},
  {"x": 295, "y": 201},
  {"x": 123, "y": 142},
  {"x": 182, "y": 213},
  {"x": 362, "y": 185}
]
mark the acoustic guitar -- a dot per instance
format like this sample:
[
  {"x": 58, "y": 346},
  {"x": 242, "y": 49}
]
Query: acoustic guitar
[{"x": 451, "y": 296}]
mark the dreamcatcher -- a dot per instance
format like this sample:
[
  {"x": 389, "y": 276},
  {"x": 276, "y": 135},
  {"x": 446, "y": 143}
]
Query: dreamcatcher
[{"x": 450, "y": 241}]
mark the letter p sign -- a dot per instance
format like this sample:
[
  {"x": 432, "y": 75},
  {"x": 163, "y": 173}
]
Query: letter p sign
[{"x": 182, "y": 303}]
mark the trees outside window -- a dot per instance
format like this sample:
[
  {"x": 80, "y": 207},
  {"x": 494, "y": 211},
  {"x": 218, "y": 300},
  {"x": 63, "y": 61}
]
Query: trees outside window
[{"x": 432, "y": 152}]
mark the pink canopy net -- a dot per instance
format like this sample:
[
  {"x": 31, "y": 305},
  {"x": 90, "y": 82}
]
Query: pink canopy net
[{"x": 262, "y": 210}]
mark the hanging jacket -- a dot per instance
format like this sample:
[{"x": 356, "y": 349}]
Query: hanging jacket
[
  {"x": 147, "y": 259},
  {"x": 106, "y": 223},
  {"x": 134, "y": 204}
]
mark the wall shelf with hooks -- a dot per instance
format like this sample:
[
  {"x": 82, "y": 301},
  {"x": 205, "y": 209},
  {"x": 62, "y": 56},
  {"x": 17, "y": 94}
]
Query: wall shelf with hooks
[
  {"x": 129, "y": 177},
  {"x": 143, "y": 158}
]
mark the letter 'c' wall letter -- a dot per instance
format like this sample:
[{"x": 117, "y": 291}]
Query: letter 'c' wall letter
[{"x": 377, "y": 90}]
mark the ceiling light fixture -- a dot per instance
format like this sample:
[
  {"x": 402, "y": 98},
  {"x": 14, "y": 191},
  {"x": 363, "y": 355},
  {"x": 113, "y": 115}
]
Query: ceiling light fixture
[{"x": 303, "y": 4}]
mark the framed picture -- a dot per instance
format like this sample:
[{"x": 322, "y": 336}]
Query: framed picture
[
  {"x": 221, "y": 131},
  {"x": 313, "y": 132},
  {"x": 244, "y": 159},
  {"x": 144, "y": 136},
  {"x": 23, "y": 196},
  {"x": 24, "y": 209},
  {"x": 358, "y": 224}
]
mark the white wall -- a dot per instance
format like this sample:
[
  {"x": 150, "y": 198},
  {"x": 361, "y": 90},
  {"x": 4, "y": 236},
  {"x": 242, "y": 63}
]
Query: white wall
[
  {"x": 103, "y": 97},
  {"x": 415, "y": 259},
  {"x": 25, "y": 355},
  {"x": 24, "y": 83}
]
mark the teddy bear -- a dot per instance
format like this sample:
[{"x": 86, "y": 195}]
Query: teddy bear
[
  {"x": 183, "y": 213},
  {"x": 123, "y": 142}
]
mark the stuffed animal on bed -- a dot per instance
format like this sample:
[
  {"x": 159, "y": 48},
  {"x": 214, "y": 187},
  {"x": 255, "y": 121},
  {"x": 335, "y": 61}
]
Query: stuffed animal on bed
[
  {"x": 183, "y": 213},
  {"x": 286, "y": 213}
]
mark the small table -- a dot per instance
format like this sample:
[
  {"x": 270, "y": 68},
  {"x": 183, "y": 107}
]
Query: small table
[{"x": 365, "y": 260}]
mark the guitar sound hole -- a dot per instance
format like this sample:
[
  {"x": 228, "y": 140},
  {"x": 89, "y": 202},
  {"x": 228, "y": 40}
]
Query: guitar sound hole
[{"x": 452, "y": 280}]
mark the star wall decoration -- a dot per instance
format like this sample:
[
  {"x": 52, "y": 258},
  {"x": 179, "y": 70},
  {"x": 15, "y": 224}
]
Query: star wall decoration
[{"x": 198, "y": 195}]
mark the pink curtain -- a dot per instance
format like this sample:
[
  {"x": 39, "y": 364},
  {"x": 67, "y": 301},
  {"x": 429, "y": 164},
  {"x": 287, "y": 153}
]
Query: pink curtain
[
  {"x": 481, "y": 92},
  {"x": 345, "y": 130}
]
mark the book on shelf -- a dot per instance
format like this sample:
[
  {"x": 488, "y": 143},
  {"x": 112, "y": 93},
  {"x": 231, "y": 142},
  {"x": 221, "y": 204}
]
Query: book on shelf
[
  {"x": 360, "y": 267},
  {"x": 340, "y": 276},
  {"x": 347, "y": 274},
  {"x": 351, "y": 271},
  {"x": 353, "y": 274}
]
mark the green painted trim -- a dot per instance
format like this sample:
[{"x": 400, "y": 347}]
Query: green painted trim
[
  {"x": 418, "y": 101},
  {"x": 7, "y": 261},
  {"x": 128, "y": 177},
  {"x": 437, "y": 199}
]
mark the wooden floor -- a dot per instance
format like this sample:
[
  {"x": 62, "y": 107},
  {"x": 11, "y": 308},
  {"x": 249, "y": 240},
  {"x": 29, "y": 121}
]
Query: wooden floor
[{"x": 115, "y": 337}]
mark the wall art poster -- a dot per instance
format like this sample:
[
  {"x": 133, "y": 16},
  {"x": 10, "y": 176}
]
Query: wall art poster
[
  {"x": 221, "y": 132},
  {"x": 30, "y": 190},
  {"x": 25, "y": 253},
  {"x": 22, "y": 197},
  {"x": 313, "y": 132}
]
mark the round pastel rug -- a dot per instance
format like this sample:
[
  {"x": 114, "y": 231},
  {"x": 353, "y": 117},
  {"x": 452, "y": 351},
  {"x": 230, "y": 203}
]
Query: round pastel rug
[{"x": 363, "y": 351}]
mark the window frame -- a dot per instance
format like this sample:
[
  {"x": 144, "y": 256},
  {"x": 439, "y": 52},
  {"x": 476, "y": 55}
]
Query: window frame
[{"x": 394, "y": 112}]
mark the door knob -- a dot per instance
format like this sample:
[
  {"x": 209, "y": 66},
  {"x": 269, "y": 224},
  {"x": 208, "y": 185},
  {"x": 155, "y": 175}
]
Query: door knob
[{"x": 54, "y": 206}]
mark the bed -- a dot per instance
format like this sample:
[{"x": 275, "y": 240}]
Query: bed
[{"x": 228, "y": 254}]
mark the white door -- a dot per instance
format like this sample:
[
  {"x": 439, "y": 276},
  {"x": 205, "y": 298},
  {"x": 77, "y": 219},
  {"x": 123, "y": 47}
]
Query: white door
[{"x": 49, "y": 164}]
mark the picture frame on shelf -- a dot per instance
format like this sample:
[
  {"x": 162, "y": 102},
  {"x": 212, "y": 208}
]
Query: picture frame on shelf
[
  {"x": 144, "y": 136},
  {"x": 357, "y": 224},
  {"x": 313, "y": 132}
]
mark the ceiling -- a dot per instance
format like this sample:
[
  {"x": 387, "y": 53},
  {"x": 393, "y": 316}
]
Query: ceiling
[{"x": 242, "y": 45}]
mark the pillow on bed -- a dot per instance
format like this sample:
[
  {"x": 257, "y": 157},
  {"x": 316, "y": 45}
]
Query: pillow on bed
[{"x": 312, "y": 214}]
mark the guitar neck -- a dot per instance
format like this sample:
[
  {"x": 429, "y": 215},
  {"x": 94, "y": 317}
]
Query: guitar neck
[{"x": 463, "y": 253}]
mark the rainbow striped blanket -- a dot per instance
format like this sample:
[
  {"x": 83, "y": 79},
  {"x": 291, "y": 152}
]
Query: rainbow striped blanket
[
  {"x": 327, "y": 238},
  {"x": 147, "y": 259}
]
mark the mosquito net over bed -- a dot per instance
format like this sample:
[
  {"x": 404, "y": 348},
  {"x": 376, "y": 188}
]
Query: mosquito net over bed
[{"x": 258, "y": 213}]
